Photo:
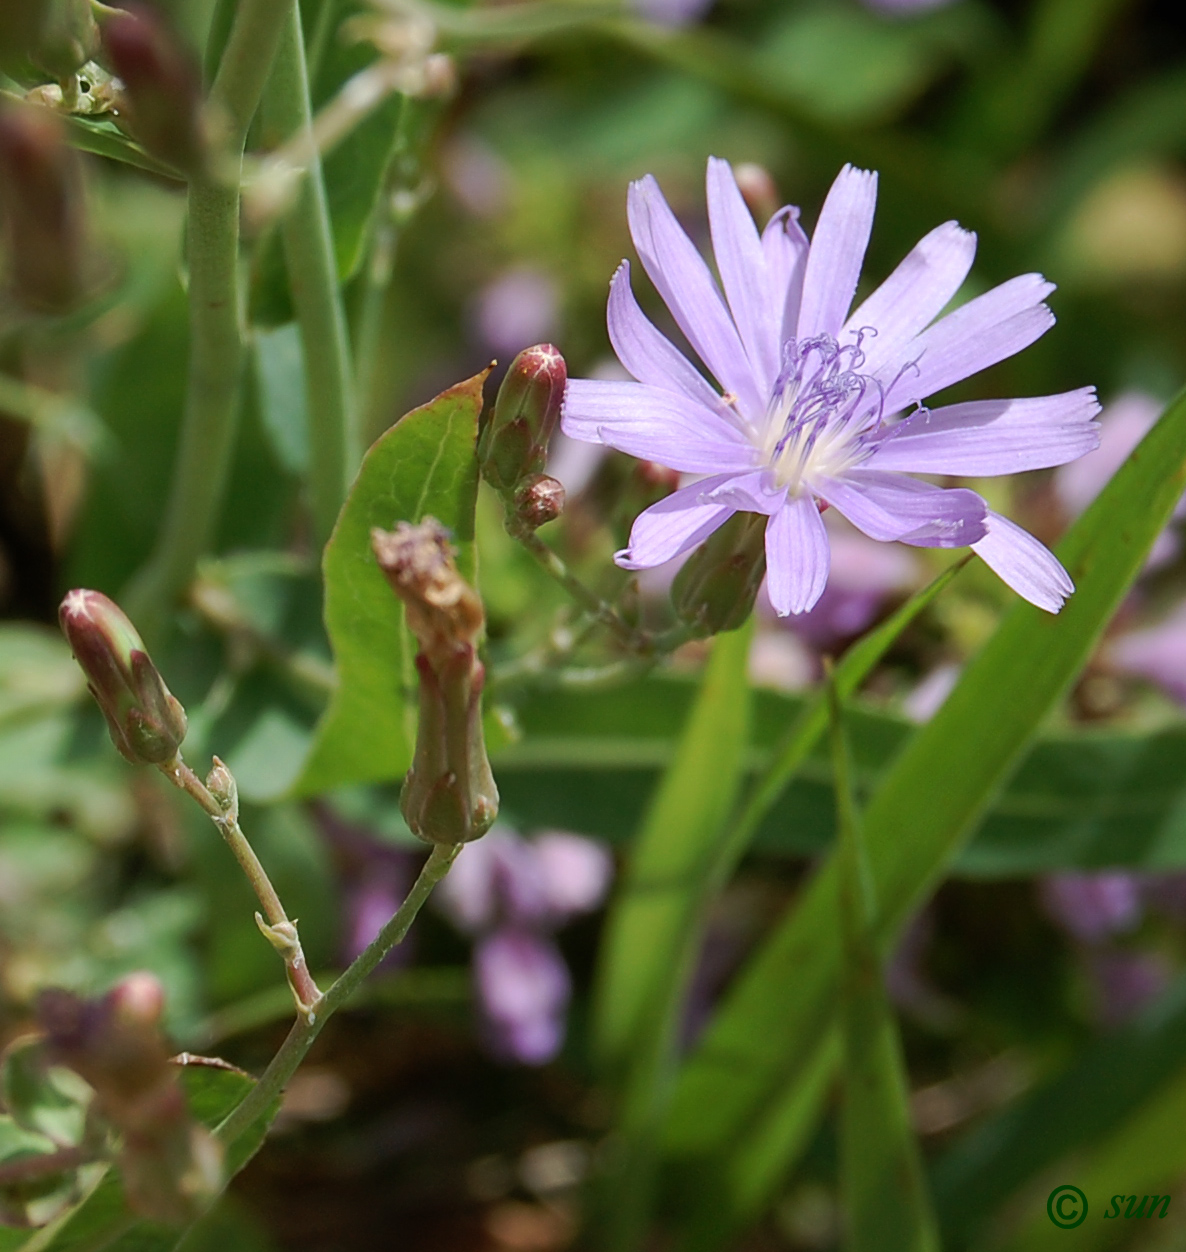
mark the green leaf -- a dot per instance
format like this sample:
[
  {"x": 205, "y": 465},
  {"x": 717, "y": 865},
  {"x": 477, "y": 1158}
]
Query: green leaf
[
  {"x": 650, "y": 941},
  {"x": 886, "y": 1208},
  {"x": 283, "y": 408},
  {"x": 940, "y": 786},
  {"x": 424, "y": 465},
  {"x": 51, "y": 1101}
]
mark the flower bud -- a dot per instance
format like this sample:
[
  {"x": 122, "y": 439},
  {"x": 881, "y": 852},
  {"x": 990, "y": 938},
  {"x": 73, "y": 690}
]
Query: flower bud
[
  {"x": 220, "y": 782},
  {"x": 539, "y": 500},
  {"x": 67, "y": 39},
  {"x": 514, "y": 442},
  {"x": 146, "y": 723},
  {"x": 161, "y": 101},
  {"x": 42, "y": 209},
  {"x": 715, "y": 590},
  {"x": 449, "y": 795}
]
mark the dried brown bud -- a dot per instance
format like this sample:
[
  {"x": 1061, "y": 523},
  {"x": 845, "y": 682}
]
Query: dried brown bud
[
  {"x": 42, "y": 206},
  {"x": 162, "y": 99},
  {"x": 449, "y": 795},
  {"x": 146, "y": 723},
  {"x": 539, "y": 500}
]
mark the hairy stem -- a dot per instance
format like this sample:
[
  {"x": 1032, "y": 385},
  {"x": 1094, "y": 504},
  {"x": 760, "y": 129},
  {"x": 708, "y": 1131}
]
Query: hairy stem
[
  {"x": 304, "y": 1030},
  {"x": 335, "y": 442},
  {"x": 215, "y": 316}
]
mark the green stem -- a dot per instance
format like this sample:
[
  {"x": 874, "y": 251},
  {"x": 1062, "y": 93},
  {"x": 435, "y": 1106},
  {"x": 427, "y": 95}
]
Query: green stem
[
  {"x": 305, "y": 1030},
  {"x": 216, "y": 330},
  {"x": 335, "y": 442}
]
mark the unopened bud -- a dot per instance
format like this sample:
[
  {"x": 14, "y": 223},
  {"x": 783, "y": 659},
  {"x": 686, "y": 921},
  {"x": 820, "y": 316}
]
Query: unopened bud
[
  {"x": 146, "y": 723},
  {"x": 716, "y": 588},
  {"x": 439, "y": 76},
  {"x": 539, "y": 500},
  {"x": 514, "y": 442},
  {"x": 42, "y": 207},
  {"x": 220, "y": 782},
  {"x": 67, "y": 39},
  {"x": 449, "y": 795},
  {"x": 757, "y": 189},
  {"x": 138, "y": 999},
  {"x": 161, "y": 102}
]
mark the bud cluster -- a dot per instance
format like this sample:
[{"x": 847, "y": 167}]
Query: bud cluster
[
  {"x": 146, "y": 723},
  {"x": 449, "y": 795},
  {"x": 171, "y": 1167}
]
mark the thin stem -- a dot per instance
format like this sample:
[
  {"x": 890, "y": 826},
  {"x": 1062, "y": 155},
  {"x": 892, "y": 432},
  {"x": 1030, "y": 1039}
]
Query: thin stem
[
  {"x": 279, "y": 931},
  {"x": 30, "y": 1168},
  {"x": 216, "y": 330},
  {"x": 335, "y": 439},
  {"x": 305, "y": 1029}
]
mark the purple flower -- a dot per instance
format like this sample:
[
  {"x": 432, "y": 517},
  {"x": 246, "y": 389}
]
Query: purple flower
[
  {"x": 1157, "y": 653},
  {"x": 524, "y": 987},
  {"x": 1091, "y": 907},
  {"x": 1125, "y": 982},
  {"x": 813, "y": 398},
  {"x": 519, "y": 307}
]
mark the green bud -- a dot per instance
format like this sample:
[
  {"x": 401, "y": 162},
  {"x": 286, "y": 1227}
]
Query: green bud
[
  {"x": 42, "y": 210},
  {"x": 715, "y": 590},
  {"x": 162, "y": 100},
  {"x": 449, "y": 795},
  {"x": 146, "y": 723},
  {"x": 514, "y": 442},
  {"x": 67, "y": 39}
]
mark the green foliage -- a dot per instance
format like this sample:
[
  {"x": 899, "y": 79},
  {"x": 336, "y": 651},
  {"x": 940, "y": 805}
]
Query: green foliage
[{"x": 423, "y": 466}]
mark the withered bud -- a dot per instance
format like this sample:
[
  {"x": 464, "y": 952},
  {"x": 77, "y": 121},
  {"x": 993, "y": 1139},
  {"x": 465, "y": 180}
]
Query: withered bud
[
  {"x": 41, "y": 202},
  {"x": 162, "y": 100},
  {"x": 539, "y": 500},
  {"x": 170, "y": 1165},
  {"x": 67, "y": 38},
  {"x": 514, "y": 442},
  {"x": 146, "y": 723},
  {"x": 716, "y": 588},
  {"x": 449, "y": 795}
]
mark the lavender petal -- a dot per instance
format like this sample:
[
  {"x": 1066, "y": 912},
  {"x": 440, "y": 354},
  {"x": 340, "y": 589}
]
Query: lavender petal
[
  {"x": 576, "y": 872},
  {"x": 655, "y": 425},
  {"x": 674, "y": 525},
  {"x": 837, "y": 253},
  {"x": 987, "y": 437},
  {"x": 755, "y": 492},
  {"x": 683, "y": 280},
  {"x": 1019, "y": 560},
  {"x": 892, "y": 506},
  {"x": 523, "y": 987},
  {"x": 797, "y": 556},
  {"x": 741, "y": 264},
  {"x": 914, "y": 294},
  {"x": 650, "y": 356},
  {"x": 785, "y": 246}
]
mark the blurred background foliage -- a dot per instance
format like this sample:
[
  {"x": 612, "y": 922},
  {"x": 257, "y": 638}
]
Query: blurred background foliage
[{"x": 1041, "y": 992}]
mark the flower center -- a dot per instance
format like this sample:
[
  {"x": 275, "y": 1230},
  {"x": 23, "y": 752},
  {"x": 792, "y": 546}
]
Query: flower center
[{"x": 820, "y": 413}]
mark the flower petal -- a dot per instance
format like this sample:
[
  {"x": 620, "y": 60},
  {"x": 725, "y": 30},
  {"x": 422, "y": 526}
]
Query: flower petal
[
  {"x": 988, "y": 437},
  {"x": 797, "y": 556},
  {"x": 656, "y": 425},
  {"x": 978, "y": 334},
  {"x": 1030, "y": 568},
  {"x": 650, "y": 356},
  {"x": 682, "y": 279},
  {"x": 741, "y": 264},
  {"x": 784, "y": 243},
  {"x": 892, "y": 506},
  {"x": 837, "y": 252},
  {"x": 915, "y": 293},
  {"x": 677, "y": 523},
  {"x": 751, "y": 493}
]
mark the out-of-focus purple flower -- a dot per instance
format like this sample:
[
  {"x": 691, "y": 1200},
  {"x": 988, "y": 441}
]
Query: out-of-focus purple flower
[
  {"x": 1125, "y": 982},
  {"x": 815, "y": 402},
  {"x": 671, "y": 13},
  {"x": 928, "y": 697},
  {"x": 1157, "y": 653},
  {"x": 902, "y": 7},
  {"x": 512, "y": 893},
  {"x": 1167, "y": 894},
  {"x": 518, "y": 308},
  {"x": 523, "y": 987},
  {"x": 371, "y": 900},
  {"x": 477, "y": 176},
  {"x": 1123, "y": 424},
  {"x": 1093, "y": 907}
]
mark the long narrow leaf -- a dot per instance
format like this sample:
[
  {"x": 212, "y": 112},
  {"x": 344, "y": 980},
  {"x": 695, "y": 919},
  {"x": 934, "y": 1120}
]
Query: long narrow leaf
[{"x": 924, "y": 810}]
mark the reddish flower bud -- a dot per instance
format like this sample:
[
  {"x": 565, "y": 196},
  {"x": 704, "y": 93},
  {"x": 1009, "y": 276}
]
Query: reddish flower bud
[
  {"x": 67, "y": 37},
  {"x": 539, "y": 500},
  {"x": 42, "y": 207},
  {"x": 449, "y": 795},
  {"x": 146, "y": 723},
  {"x": 716, "y": 588},
  {"x": 162, "y": 99},
  {"x": 514, "y": 442}
]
